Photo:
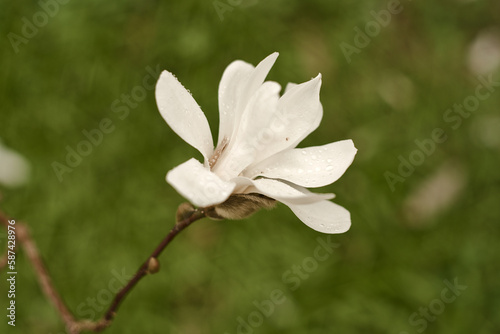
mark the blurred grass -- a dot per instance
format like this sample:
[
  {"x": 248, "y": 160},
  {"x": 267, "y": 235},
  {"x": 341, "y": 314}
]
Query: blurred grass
[{"x": 112, "y": 210}]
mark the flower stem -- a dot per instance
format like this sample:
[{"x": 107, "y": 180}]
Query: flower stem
[{"x": 143, "y": 270}]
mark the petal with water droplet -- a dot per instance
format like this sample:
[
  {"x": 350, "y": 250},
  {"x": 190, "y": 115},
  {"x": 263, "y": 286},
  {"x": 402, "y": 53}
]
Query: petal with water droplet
[
  {"x": 198, "y": 184},
  {"x": 323, "y": 216},
  {"x": 283, "y": 191},
  {"x": 292, "y": 165},
  {"x": 182, "y": 113}
]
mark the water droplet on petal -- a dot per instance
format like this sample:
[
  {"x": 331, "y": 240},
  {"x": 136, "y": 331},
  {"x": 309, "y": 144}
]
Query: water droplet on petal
[{"x": 329, "y": 167}]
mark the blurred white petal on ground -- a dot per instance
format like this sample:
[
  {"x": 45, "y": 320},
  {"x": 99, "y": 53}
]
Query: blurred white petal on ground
[
  {"x": 14, "y": 168},
  {"x": 434, "y": 195},
  {"x": 484, "y": 52}
]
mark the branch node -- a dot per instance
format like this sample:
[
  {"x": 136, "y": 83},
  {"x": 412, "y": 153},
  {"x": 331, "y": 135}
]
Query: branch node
[{"x": 153, "y": 265}]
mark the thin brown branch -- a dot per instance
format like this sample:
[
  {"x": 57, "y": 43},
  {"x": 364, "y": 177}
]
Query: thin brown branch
[
  {"x": 76, "y": 326},
  {"x": 24, "y": 239}
]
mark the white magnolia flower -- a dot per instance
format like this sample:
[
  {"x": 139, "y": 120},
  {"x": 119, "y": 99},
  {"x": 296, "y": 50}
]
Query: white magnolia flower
[{"x": 255, "y": 152}]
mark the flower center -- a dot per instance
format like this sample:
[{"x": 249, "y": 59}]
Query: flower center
[{"x": 218, "y": 152}]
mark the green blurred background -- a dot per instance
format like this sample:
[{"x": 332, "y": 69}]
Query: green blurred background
[{"x": 108, "y": 214}]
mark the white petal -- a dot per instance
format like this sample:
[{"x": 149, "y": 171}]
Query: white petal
[
  {"x": 309, "y": 167},
  {"x": 239, "y": 83},
  {"x": 324, "y": 216},
  {"x": 182, "y": 113},
  {"x": 283, "y": 192},
  {"x": 289, "y": 86},
  {"x": 198, "y": 184},
  {"x": 303, "y": 109},
  {"x": 249, "y": 140},
  {"x": 298, "y": 113},
  {"x": 231, "y": 88}
]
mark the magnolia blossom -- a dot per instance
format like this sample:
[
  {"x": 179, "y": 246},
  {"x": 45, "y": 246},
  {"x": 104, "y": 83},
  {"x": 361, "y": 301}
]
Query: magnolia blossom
[{"x": 256, "y": 150}]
